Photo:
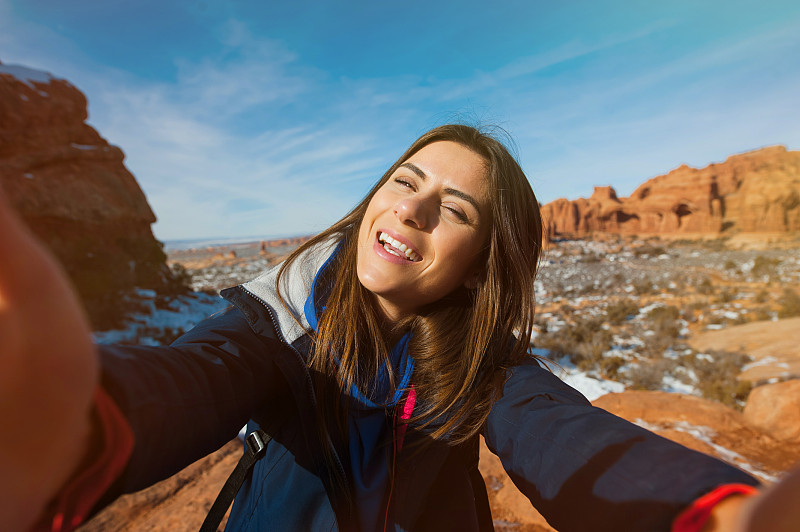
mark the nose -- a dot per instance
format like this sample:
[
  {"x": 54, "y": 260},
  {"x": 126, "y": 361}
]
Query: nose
[{"x": 412, "y": 211}]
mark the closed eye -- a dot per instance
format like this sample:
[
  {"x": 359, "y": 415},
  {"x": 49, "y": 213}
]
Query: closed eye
[
  {"x": 404, "y": 182},
  {"x": 457, "y": 213}
]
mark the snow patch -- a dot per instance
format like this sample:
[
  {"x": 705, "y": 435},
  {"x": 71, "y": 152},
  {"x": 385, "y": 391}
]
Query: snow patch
[
  {"x": 706, "y": 435},
  {"x": 591, "y": 387},
  {"x": 182, "y": 313},
  {"x": 26, "y": 75}
]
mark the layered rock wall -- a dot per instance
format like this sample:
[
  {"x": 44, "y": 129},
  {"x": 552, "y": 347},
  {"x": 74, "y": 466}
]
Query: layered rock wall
[
  {"x": 757, "y": 191},
  {"x": 73, "y": 190}
]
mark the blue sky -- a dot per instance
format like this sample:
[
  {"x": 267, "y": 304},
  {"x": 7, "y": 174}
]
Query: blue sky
[{"x": 244, "y": 118}]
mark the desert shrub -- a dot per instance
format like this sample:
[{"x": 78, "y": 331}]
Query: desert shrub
[
  {"x": 789, "y": 304},
  {"x": 679, "y": 285},
  {"x": 655, "y": 344},
  {"x": 584, "y": 342},
  {"x": 705, "y": 287},
  {"x": 761, "y": 314},
  {"x": 762, "y": 296},
  {"x": 556, "y": 289},
  {"x": 718, "y": 379},
  {"x": 738, "y": 320},
  {"x": 643, "y": 287},
  {"x": 666, "y": 312},
  {"x": 697, "y": 305},
  {"x": 663, "y": 322},
  {"x": 652, "y": 251},
  {"x": 764, "y": 266},
  {"x": 609, "y": 366},
  {"x": 730, "y": 265},
  {"x": 589, "y": 258},
  {"x": 649, "y": 374},
  {"x": 618, "y": 311},
  {"x": 717, "y": 244},
  {"x": 725, "y": 296},
  {"x": 181, "y": 275}
]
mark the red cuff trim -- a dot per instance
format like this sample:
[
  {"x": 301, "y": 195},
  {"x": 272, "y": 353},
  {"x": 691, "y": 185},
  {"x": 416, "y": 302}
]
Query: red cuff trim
[
  {"x": 73, "y": 504},
  {"x": 694, "y": 518}
]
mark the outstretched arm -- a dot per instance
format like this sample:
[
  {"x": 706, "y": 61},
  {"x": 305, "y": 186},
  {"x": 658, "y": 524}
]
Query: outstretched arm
[
  {"x": 584, "y": 468},
  {"x": 48, "y": 373}
]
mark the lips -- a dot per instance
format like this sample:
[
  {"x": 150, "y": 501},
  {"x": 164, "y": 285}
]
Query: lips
[{"x": 397, "y": 248}]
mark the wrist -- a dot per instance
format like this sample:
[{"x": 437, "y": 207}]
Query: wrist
[{"x": 718, "y": 510}]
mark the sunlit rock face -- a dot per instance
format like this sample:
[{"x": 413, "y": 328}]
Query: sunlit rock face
[
  {"x": 757, "y": 191},
  {"x": 74, "y": 192}
]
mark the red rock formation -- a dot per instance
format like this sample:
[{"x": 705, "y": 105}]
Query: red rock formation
[
  {"x": 757, "y": 191},
  {"x": 74, "y": 192},
  {"x": 284, "y": 242},
  {"x": 775, "y": 408}
]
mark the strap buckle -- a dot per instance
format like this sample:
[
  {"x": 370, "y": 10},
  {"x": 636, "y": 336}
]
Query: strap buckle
[{"x": 256, "y": 443}]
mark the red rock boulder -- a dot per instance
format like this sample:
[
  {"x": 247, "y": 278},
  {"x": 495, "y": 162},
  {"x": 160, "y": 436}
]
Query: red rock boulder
[
  {"x": 775, "y": 409},
  {"x": 73, "y": 190}
]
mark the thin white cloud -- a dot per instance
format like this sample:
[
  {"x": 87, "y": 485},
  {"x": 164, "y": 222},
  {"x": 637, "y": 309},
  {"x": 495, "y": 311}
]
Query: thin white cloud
[{"x": 219, "y": 136}]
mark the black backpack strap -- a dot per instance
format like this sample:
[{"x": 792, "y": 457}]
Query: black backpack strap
[{"x": 256, "y": 447}]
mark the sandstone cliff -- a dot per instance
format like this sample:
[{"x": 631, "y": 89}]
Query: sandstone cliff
[
  {"x": 757, "y": 191},
  {"x": 73, "y": 190}
]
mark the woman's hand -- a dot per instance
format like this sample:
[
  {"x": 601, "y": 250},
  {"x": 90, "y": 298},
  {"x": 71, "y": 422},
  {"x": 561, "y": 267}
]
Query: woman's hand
[
  {"x": 773, "y": 510},
  {"x": 48, "y": 373},
  {"x": 777, "y": 508}
]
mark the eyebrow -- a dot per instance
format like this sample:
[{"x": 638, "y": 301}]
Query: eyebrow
[{"x": 452, "y": 191}]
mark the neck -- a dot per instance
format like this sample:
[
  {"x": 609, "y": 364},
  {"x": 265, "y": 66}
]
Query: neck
[{"x": 393, "y": 321}]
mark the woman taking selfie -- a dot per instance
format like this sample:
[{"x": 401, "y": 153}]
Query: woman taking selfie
[{"x": 374, "y": 357}]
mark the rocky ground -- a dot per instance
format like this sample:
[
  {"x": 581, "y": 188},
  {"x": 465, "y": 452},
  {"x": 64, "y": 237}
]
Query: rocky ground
[{"x": 687, "y": 328}]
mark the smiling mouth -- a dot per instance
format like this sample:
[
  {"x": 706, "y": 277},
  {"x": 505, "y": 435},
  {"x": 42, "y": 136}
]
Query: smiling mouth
[{"x": 397, "y": 248}]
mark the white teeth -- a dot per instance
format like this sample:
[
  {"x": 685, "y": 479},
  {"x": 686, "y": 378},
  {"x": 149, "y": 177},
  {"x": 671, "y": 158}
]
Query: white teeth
[{"x": 409, "y": 253}]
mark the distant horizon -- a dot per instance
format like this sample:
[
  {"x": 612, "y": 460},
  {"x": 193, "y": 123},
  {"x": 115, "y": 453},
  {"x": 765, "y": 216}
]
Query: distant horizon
[
  {"x": 241, "y": 117},
  {"x": 180, "y": 244}
]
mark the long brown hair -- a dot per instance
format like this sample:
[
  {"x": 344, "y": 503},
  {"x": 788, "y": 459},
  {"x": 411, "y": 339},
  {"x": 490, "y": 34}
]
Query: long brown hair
[{"x": 462, "y": 345}]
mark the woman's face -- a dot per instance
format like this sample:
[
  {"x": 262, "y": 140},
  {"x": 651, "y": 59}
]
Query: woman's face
[{"x": 425, "y": 228}]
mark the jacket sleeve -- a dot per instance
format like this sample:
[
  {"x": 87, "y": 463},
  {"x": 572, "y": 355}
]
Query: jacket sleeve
[
  {"x": 586, "y": 469},
  {"x": 186, "y": 400}
]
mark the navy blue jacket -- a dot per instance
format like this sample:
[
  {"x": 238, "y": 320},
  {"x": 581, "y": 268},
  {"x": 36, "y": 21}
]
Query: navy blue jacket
[{"x": 581, "y": 467}]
